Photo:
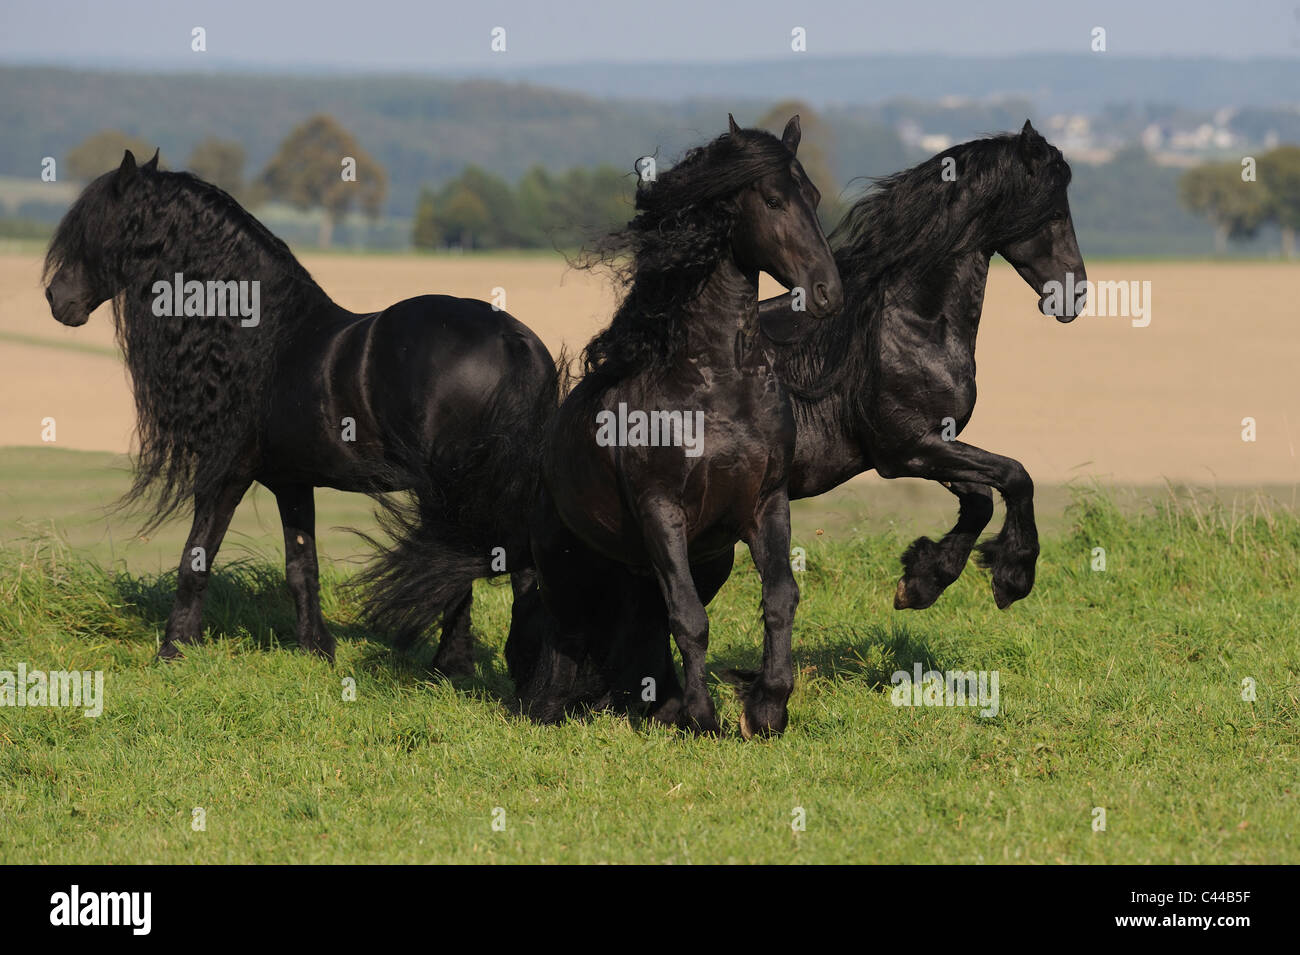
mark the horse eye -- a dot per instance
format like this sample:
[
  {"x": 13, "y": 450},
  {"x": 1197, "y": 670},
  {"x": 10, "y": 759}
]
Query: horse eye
[{"x": 773, "y": 202}]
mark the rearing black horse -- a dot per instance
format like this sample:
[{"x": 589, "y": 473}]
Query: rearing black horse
[
  {"x": 244, "y": 370},
  {"x": 887, "y": 384},
  {"x": 685, "y": 342}
]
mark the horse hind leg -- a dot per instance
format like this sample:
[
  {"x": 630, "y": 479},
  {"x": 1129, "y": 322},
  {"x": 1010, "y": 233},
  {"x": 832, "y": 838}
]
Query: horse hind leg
[
  {"x": 455, "y": 656},
  {"x": 765, "y": 698},
  {"x": 929, "y": 567},
  {"x": 297, "y": 506}
]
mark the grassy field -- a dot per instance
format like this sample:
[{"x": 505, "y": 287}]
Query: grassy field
[{"x": 1119, "y": 689}]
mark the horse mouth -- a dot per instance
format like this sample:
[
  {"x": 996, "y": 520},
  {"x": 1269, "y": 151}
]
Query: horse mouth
[
  {"x": 72, "y": 318},
  {"x": 1065, "y": 316},
  {"x": 825, "y": 300}
]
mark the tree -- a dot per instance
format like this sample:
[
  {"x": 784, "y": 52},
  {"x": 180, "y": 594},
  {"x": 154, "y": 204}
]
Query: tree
[
  {"x": 1236, "y": 208},
  {"x": 535, "y": 200},
  {"x": 103, "y": 151},
  {"x": 220, "y": 162},
  {"x": 816, "y": 144},
  {"x": 311, "y": 170},
  {"x": 464, "y": 216},
  {"x": 1279, "y": 173},
  {"x": 425, "y": 231}
]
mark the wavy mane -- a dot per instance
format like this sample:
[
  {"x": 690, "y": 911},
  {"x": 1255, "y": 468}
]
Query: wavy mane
[
  {"x": 200, "y": 383},
  {"x": 665, "y": 255},
  {"x": 907, "y": 226}
]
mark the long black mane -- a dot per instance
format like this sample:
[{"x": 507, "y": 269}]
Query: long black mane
[
  {"x": 199, "y": 382},
  {"x": 901, "y": 233},
  {"x": 664, "y": 256}
]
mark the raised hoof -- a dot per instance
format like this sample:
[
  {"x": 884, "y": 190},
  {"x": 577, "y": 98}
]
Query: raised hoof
[
  {"x": 915, "y": 594},
  {"x": 1005, "y": 592}
]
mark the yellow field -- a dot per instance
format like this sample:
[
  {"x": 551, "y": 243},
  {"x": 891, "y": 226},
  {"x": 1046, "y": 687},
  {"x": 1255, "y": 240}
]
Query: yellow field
[{"x": 1096, "y": 398}]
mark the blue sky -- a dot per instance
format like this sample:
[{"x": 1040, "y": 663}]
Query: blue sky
[{"x": 418, "y": 35}]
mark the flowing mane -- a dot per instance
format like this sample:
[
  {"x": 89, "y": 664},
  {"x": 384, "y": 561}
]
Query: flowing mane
[
  {"x": 664, "y": 256},
  {"x": 906, "y": 227},
  {"x": 199, "y": 382}
]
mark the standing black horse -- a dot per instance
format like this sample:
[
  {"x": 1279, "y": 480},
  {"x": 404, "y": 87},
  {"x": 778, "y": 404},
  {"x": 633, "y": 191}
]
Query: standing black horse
[
  {"x": 712, "y": 458},
  {"x": 886, "y": 384},
  {"x": 244, "y": 370}
]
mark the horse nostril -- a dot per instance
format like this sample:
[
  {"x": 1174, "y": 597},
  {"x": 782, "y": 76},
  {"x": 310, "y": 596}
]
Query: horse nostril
[
  {"x": 821, "y": 294},
  {"x": 49, "y": 296}
]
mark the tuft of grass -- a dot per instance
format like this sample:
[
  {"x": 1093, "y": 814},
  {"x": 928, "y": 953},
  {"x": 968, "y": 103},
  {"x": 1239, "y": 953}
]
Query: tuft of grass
[{"x": 1121, "y": 689}]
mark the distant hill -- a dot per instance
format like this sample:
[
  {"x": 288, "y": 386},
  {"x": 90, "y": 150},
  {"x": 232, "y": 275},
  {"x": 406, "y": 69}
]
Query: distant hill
[
  {"x": 423, "y": 129},
  {"x": 1083, "y": 82},
  {"x": 426, "y": 129}
]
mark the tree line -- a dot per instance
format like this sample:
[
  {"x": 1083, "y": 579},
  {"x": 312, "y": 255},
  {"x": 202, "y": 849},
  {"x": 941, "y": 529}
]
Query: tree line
[
  {"x": 1239, "y": 198},
  {"x": 478, "y": 209},
  {"x": 319, "y": 166}
]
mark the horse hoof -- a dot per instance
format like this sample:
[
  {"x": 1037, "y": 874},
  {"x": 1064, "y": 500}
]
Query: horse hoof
[
  {"x": 900, "y": 595},
  {"x": 452, "y": 669},
  {"x": 746, "y": 731},
  {"x": 1005, "y": 596},
  {"x": 169, "y": 651},
  {"x": 326, "y": 654}
]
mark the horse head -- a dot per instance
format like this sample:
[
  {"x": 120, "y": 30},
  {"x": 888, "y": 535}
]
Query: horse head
[
  {"x": 1044, "y": 250},
  {"x": 776, "y": 231},
  {"x": 82, "y": 274}
]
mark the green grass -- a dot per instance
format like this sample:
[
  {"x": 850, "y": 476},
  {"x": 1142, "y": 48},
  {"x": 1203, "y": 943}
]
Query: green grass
[{"x": 1119, "y": 689}]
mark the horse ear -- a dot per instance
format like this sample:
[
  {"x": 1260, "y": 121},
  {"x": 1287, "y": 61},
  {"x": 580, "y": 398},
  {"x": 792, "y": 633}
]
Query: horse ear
[
  {"x": 128, "y": 164},
  {"x": 792, "y": 134},
  {"x": 731, "y": 125},
  {"x": 1031, "y": 146},
  {"x": 152, "y": 164}
]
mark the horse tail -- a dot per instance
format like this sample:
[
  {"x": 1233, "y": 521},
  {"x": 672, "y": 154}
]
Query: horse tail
[{"x": 466, "y": 515}]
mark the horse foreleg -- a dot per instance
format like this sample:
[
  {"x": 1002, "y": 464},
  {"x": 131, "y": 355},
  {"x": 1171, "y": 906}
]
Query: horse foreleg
[
  {"x": 651, "y": 622},
  {"x": 765, "y": 698},
  {"x": 212, "y": 514},
  {"x": 455, "y": 656},
  {"x": 1012, "y": 555},
  {"x": 664, "y": 529},
  {"x": 929, "y": 567},
  {"x": 297, "y": 506}
]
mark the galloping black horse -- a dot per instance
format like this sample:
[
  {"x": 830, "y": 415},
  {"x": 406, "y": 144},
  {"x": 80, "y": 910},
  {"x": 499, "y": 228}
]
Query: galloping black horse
[
  {"x": 683, "y": 350},
  {"x": 885, "y": 384},
  {"x": 244, "y": 370}
]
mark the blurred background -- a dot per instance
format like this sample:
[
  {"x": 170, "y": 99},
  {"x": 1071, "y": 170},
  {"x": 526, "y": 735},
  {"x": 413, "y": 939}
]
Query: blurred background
[{"x": 508, "y": 126}]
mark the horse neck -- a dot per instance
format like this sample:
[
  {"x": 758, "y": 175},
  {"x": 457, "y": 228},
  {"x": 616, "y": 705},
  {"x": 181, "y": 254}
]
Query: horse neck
[
  {"x": 943, "y": 304},
  {"x": 941, "y": 307},
  {"x": 722, "y": 321}
]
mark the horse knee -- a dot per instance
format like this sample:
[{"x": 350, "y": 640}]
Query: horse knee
[{"x": 1018, "y": 484}]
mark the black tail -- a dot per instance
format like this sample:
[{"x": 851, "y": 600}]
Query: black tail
[{"x": 465, "y": 517}]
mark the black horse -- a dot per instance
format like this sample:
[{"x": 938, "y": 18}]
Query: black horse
[
  {"x": 683, "y": 350},
  {"x": 244, "y": 370},
  {"x": 887, "y": 384}
]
